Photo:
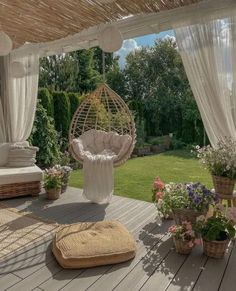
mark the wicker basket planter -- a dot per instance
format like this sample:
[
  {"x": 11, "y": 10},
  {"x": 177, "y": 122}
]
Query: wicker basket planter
[
  {"x": 180, "y": 215},
  {"x": 223, "y": 185},
  {"x": 182, "y": 247},
  {"x": 53, "y": 194},
  {"x": 215, "y": 249}
]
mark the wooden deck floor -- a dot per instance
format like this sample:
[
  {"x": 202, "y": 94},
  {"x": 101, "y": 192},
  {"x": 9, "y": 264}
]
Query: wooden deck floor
[{"x": 156, "y": 266}]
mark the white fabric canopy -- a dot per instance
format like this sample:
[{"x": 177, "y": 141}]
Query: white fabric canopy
[
  {"x": 18, "y": 98},
  {"x": 208, "y": 51}
]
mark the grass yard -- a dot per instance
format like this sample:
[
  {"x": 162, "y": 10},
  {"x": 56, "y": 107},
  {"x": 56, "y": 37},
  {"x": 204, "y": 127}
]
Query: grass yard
[{"x": 134, "y": 179}]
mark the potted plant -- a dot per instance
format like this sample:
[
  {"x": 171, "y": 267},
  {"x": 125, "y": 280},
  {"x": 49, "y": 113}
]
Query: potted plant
[
  {"x": 221, "y": 163},
  {"x": 52, "y": 183},
  {"x": 65, "y": 175},
  {"x": 217, "y": 231},
  {"x": 183, "y": 236},
  {"x": 186, "y": 201}
]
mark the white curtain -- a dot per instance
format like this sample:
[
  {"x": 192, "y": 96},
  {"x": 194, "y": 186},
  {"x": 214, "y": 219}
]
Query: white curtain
[
  {"x": 18, "y": 98},
  {"x": 208, "y": 51}
]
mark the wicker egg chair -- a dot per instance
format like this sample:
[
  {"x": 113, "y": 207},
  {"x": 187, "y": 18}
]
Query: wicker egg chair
[
  {"x": 102, "y": 135},
  {"x": 103, "y": 110}
]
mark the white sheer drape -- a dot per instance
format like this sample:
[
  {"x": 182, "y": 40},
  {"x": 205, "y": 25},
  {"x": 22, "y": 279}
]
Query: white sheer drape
[
  {"x": 18, "y": 99},
  {"x": 208, "y": 51}
]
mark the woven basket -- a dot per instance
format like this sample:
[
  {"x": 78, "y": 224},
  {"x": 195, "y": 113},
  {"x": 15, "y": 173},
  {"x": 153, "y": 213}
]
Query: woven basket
[
  {"x": 215, "y": 249},
  {"x": 53, "y": 194},
  {"x": 182, "y": 247},
  {"x": 180, "y": 215},
  {"x": 223, "y": 185}
]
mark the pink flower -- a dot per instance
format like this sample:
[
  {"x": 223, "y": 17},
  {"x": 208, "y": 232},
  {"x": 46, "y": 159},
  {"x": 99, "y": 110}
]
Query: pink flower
[
  {"x": 159, "y": 195},
  {"x": 158, "y": 184},
  {"x": 172, "y": 229}
]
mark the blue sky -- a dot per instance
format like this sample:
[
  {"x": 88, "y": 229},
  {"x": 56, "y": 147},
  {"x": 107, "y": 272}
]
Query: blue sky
[{"x": 130, "y": 45}]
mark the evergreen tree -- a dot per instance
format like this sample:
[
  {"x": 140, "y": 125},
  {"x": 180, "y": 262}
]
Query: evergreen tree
[{"x": 46, "y": 100}]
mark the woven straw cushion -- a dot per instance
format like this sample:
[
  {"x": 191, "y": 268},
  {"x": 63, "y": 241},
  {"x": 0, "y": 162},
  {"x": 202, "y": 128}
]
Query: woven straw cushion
[{"x": 92, "y": 244}]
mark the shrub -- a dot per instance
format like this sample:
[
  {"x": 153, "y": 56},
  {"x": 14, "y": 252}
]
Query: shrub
[
  {"x": 177, "y": 144},
  {"x": 62, "y": 113},
  {"x": 75, "y": 100},
  {"x": 45, "y": 137},
  {"x": 46, "y": 100}
]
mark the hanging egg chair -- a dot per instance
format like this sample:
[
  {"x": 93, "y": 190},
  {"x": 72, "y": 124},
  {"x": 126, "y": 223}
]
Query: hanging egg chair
[{"x": 102, "y": 135}]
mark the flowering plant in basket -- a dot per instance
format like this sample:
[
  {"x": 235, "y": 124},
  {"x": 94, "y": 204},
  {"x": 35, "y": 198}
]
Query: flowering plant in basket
[
  {"x": 218, "y": 227},
  {"x": 52, "y": 178},
  {"x": 184, "y": 197},
  {"x": 220, "y": 161},
  {"x": 183, "y": 236}
]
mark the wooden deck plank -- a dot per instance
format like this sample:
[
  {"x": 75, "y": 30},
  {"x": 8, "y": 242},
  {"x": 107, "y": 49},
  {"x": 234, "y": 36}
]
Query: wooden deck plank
[
  {"x": 148, "y": 239},
  {"x": 164, "y": 273},
  {"x": 212, "y": 273},
  {"x": 189, "y": 272},
  {"x": 37, "y": 277},
  {"x": 229, "y": 280},
  {"x": 141, "y": 272},
  {"x": 8, "y": 281}
]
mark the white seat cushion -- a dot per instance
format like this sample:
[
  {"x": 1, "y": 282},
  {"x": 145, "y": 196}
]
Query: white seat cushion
[{"x": 20, "y": 175}]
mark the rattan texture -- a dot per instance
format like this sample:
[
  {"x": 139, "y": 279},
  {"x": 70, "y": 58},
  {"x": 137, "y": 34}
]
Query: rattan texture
[
  {"x": 215, "y": 249},
  {"x": 47, "y": 20},
  {"x": 103, "y": 110},
  {"x": 20, "y": 189},
  {"x": 190, "y": 215},
  {"x": 223, "y": 185},
  {"x": 182, "y": 247}
]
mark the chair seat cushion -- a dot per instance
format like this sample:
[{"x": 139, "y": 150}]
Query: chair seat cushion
[
  {"x": 20, "y": 175},
  {"x": 93, "y": 244}
]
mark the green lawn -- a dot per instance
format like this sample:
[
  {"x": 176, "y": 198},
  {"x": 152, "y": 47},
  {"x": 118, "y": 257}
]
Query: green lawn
[{"x": 134, "y": 179}]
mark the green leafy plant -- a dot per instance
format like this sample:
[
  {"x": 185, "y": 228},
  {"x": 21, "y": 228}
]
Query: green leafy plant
[
  {"x": 46, "y": 138},
  {"x": 46, "y": 100},
  {"x": 219, "y": 227},
  {"x": 220, "y": 161},
  {"x": 61, "y": 113}
]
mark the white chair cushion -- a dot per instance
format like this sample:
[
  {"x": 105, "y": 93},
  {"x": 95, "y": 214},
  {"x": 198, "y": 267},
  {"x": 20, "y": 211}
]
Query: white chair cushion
[
  {"x": 99, "y": 142},
  {"x": 20, "y": 156},
  {"x": 20, "y": 175}
]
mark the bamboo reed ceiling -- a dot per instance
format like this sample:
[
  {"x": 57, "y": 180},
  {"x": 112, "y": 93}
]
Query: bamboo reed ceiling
[{"x": 38, "y": 21}]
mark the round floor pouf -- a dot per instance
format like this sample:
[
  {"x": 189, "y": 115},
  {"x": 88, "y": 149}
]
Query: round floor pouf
[{"x": 91, "y": 244}]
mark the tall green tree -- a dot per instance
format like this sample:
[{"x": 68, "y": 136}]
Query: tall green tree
[{"x": 61, "y": 113}]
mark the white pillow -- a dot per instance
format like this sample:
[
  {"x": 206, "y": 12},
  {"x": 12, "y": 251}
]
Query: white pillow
[{"x": 4, "y": 152}]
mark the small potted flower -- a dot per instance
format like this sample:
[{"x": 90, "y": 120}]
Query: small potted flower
[
  {"x": 183, "y": 236},
  {"x": 217, "y": 231},
  {"x": 65, "y": 172},
  {"x": 52, "y": 183},
  {"x": 221, "y": 163}
]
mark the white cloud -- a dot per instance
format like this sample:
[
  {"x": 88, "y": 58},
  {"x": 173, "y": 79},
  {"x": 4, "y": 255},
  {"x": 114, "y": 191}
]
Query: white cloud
[
  {"x": 167, "y": 36},
  {"x": 129, "y": 45}
]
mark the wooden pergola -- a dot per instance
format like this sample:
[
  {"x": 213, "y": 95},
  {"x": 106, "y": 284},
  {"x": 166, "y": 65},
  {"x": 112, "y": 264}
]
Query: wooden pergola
[{"x": 61, "y": 26}]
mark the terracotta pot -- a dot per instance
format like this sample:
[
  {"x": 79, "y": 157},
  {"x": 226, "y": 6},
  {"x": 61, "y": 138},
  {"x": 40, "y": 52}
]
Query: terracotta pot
[
  {"x": 53, "y": 194},
  {"x": 223, "y": 185},
  {"x": 215, "y": 249},
  {"x": 182, "y": 247},
  {"x": 190, "y": 215}
]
